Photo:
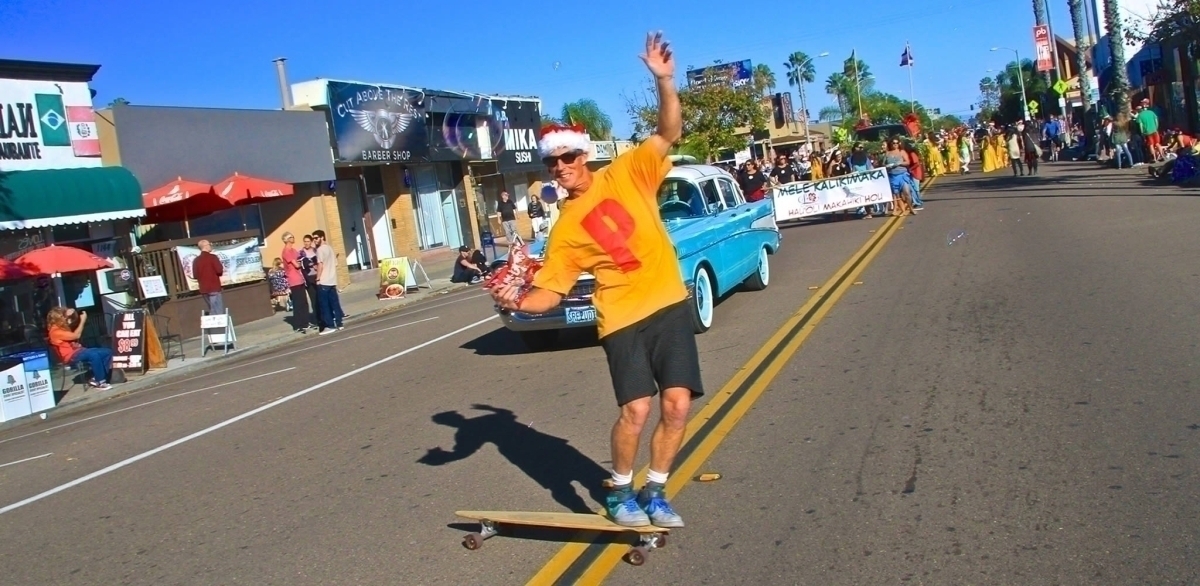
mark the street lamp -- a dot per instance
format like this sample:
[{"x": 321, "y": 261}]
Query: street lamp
[
  {"x": 804, "y": 99},
  {"x": 1020, "y": 78}
]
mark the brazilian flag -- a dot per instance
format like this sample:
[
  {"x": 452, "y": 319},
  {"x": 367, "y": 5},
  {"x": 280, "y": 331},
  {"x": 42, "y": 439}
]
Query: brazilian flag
[{"x": 52, "y": 117}]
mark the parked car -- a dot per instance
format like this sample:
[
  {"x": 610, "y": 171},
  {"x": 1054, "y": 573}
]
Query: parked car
[{"x": 722, "y": 242}]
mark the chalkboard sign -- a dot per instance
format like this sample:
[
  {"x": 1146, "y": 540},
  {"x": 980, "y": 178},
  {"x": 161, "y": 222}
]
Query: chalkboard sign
[{"x": 129, "y": 341}]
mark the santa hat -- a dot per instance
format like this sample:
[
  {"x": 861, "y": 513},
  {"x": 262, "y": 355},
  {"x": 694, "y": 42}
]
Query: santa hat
[{"x": 556, "y": 136}]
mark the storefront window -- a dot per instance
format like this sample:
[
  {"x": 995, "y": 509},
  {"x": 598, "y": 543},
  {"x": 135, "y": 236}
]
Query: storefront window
[{"x": 237, "y": 219}]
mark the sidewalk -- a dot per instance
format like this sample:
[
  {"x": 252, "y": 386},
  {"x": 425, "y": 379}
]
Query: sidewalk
[{"x": 359, "y": 301}]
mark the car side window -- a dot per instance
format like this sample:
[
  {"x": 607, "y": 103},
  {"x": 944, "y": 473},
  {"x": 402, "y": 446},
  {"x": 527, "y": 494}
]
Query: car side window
[
  {"x": 712, "y": 197},
  {"x": 730, "y": 193},
  {"x": 679, "y": 198}
]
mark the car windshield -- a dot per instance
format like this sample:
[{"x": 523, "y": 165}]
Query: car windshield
[{"x": 679, "y": 198}]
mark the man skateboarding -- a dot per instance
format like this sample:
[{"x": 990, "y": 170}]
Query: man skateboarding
[{"x": 610, "y": 227}]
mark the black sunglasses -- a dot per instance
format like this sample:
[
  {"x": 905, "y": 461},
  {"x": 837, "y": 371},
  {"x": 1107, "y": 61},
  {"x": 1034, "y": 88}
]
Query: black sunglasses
[{"x": 567, "y": 158}]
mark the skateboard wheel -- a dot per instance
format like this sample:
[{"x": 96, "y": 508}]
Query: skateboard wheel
[
  {"x": 661, "y": 542},
  {"x": 472, "y": 541},
  {"x": 637, "y": 556}
]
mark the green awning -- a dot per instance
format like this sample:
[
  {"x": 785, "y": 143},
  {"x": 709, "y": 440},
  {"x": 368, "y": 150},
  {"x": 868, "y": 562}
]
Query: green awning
[{"x": 53, "y": 197}]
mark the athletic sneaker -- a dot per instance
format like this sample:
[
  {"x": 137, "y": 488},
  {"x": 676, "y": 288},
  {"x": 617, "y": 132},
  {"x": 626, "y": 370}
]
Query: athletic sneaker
[
  {"x": 99, "y": 385},
  {"x": 653, "y": 500},
  {"x": 623, "y": 508}
]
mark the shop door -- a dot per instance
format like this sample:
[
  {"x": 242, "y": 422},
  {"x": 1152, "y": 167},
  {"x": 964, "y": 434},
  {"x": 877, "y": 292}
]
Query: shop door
[
  {"x": 428, "y": 212},
  {"x": 350, "y": 215},
  {"x": 454, "y": 236},
  {"x": 381, "y": 231}
]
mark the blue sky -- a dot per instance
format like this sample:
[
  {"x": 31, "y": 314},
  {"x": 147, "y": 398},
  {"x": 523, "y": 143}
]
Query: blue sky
[{"x": 218, "y": 53}]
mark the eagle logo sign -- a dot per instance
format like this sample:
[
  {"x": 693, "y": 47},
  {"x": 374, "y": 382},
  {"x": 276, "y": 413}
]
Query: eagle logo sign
[{"x": 384, "y": 125}]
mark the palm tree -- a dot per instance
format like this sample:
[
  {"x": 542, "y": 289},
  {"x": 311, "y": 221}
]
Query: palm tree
[
  {"x": 1118, "y": 89},
  {"x": 800, "y": 70},
  {"x": 589, "y": 114},
  {"x": 1081, "y": 50},
  {"x": 764, "y": 78},
  {"x": 859, "y": 80},
  {"x": 831, "y": 114},
  {"x": 836, "y": 86}
]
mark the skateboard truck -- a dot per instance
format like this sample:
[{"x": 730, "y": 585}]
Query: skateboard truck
[{"x": 474, "y": 541}]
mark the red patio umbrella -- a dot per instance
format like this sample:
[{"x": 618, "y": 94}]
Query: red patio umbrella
[
  {"x": 11, "y": 271},
  {"x": 55, "y": 260},
  {"x": 242, "y": 189},
  {"x": 181, "y": 200}
]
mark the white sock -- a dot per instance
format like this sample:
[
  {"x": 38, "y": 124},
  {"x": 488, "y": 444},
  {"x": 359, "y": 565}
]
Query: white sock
[
  {"x": 657, "y": 477},
  {"x": 622, "y": 479}
]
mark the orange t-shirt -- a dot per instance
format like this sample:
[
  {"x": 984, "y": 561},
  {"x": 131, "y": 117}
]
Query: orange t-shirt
[
  {"x": 64, "y": 347},
  {"x": 614, "y": 232}
]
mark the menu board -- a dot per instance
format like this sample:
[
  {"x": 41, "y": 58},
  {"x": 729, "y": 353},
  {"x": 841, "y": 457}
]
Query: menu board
[
  {"x": 14, "y": 397},
  {"x": 129, "y": 337}
]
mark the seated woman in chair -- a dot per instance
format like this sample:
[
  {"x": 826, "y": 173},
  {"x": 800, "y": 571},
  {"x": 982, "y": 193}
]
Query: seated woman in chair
[{"x": 65, "y": 329}]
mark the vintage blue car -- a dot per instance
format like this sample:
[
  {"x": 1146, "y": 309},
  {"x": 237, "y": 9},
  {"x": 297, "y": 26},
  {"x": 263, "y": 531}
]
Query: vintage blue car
[{"x": 722, "y": 241}]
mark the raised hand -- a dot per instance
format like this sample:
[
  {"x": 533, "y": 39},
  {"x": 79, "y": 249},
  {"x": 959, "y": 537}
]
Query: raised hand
[{"x": 658, "y": 58}]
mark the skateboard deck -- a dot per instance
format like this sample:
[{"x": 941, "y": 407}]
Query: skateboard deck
[{"x": 649, "y": 536}]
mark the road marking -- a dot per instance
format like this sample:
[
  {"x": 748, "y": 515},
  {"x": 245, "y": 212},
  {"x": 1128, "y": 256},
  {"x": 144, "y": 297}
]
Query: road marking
[
  {"x": 123, "y": 463},
  {"x": 304, "y": 349},
  {"x": 585, "y": 561},
  {"x": 78, "y": 421},
  {"x": 27, "y": 459}
]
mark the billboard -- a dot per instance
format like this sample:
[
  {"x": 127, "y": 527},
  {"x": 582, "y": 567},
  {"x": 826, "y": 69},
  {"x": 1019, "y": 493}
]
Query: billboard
[
  {"x": 47, "y": 125},
  {"x": 377, "y": 123},
  {"x": 739, "y": 73}
]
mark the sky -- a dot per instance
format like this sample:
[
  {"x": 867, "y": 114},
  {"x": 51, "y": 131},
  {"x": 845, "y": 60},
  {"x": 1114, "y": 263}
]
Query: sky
[{"x": 218, "y": 53}]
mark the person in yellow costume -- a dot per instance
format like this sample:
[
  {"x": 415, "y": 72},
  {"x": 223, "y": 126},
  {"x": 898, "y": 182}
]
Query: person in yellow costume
[
  {"x": 987, "y": 154},
  {"x": 1001, "y": 150},
  {"x": 935, "y": 164},
  {"x": 818, "y": 165},
  {"x": 953, "y": 165}
]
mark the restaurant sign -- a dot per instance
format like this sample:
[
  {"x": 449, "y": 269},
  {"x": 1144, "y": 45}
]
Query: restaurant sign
[
  {"x": 518, "y": 121},
  {"x": 47, "y": 125},
  {"x": 373, "y": 123}
]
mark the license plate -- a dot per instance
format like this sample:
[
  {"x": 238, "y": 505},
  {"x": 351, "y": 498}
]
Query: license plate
[{"x": 581, "y": 315}]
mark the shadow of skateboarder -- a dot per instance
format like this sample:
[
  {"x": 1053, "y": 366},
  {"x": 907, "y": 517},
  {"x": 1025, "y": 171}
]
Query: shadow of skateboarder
[{"x": 550, "y": 461}]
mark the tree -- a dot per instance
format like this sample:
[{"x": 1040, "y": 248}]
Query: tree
[
  {"x": 1118, "y": 88},
  {"x": 589, "y": 114},
  {"x": 836, "y": 85},
  {"x": 1009, "y": 82},
  {"x": 764, "y": 78},
  {"x": 858, "y": 80},
  {"x": 830, "y": 114},
  {"x": 1171, "y": 20},
  {"x": 713, "y": 113},
  {"x": 800, "y": 70},
  {"x": 1081, "y": 65},
  {"x": 118, "y": 102},
  {"x": 989, "y": 98}
]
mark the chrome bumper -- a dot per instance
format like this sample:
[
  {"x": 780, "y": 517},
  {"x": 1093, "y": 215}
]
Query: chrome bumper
[{"x": 555, "y": 319}]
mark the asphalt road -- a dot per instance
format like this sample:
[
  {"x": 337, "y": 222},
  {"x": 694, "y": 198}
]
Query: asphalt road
[{"x": 1017, "y": 407}]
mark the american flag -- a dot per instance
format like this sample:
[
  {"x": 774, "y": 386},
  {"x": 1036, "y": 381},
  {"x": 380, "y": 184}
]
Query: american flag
[{"x": 906, "y": 58}]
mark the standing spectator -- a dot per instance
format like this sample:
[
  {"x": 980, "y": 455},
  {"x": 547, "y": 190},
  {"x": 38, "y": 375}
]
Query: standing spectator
[
  {"x": 1120, "y": 141},
  {"x": 1029, "y": 145},
  {"x": 293, "y": 267},
  {"x": 537, "y": 216},
  {"x": 327, "y": 293},
  {"x": 1147, "y": 122},
  {"x": 65, "y": 329},
  {"x": 207, "y": 270},
  {"x": 508, "y": 217},
  {"x": 308, "y": 266}
]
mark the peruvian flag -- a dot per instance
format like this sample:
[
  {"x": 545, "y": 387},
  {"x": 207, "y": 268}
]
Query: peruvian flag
[{"x": 81, "y": 121}]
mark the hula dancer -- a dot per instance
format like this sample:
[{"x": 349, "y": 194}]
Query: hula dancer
[{"x": 610, "y": 227}]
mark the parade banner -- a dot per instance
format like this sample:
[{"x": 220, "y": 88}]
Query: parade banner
[
  {"x": 394, "y": 277},
  {"x": 242, "y": 263},
  {"x": 810, "y": 198}
]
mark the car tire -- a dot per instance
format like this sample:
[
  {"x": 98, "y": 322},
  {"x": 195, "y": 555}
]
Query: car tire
[
  {"x": 762, "y": 275},
  {"x": 539, "y": 340},
  {"x": 703, "y": 301}
]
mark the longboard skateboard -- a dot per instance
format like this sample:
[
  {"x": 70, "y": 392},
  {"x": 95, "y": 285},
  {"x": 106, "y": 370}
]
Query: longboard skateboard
[{"x": 649, "y": 537}]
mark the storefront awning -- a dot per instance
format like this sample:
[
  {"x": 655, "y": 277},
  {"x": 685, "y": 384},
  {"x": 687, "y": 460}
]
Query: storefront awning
[{"x": 53, "y": 197}]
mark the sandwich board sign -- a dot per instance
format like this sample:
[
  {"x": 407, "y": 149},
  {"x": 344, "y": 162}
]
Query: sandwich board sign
[{"x": 217, "y": 330}]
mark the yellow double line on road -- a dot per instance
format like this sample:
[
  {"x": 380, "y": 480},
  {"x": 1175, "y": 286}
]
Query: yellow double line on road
[{"x": 590, "y": 563}]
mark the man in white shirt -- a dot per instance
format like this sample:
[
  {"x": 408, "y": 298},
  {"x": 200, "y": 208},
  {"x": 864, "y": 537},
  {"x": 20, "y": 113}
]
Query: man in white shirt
[{"x": 328, "y": 302}]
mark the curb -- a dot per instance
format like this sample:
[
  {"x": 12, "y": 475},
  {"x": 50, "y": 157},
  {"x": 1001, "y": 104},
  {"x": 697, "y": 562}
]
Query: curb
[{"x": 134, "y": 386}]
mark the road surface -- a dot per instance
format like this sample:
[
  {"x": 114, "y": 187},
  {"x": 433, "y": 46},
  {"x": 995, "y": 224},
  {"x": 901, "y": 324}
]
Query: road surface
[{"x": 1018, "y": 406}]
